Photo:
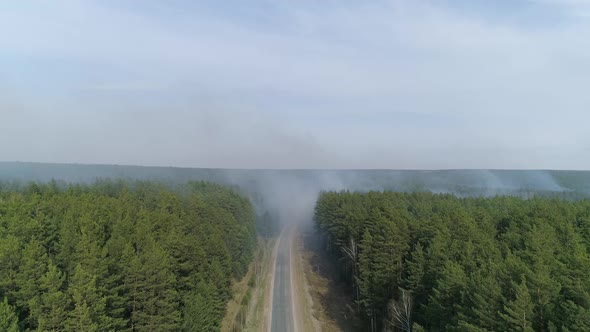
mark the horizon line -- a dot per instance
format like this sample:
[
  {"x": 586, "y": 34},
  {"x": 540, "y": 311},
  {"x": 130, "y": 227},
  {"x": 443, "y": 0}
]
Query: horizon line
[{"x": 288, "y": 169}]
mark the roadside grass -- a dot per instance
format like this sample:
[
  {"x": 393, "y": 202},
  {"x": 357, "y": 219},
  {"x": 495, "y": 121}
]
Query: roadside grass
[
  {"x": 256, "y": 318},
  {"x": 306, "y": 310},
  {"x": 245, "y": 311}
]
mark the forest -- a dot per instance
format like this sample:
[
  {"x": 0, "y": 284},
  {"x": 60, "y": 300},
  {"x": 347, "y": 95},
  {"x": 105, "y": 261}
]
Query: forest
[
  {"x": 120, "y": 256},
  {"x": 437, "y": 262}
]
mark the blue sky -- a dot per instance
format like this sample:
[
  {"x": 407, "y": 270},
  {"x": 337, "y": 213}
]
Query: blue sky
[{"x": 297, "y": 84}]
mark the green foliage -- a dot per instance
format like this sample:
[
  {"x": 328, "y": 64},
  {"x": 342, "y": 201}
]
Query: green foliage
[
  {"x": 155, "y": 304},
  {"x": 116, "y": 256},
  {"x": 89, "y": 305},
  {"x": 8, "y": 319},
  {"x": 202, "y": 307},
  {"x": 518, "y": 313},
  {"x": 470, "y": 264},
  {"x": 52, "y": 308},
  {"x": 417, "y": 328}
]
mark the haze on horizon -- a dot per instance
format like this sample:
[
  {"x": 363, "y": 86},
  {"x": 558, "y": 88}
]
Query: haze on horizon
[{"x": 297, "y": 84}]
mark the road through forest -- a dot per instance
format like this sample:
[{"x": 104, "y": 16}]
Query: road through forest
[{"x": 283, "y": 294}]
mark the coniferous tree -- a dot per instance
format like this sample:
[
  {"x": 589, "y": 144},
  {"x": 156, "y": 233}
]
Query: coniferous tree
[
  {"x": 462, "y": 256},
  {"x": 10, "y": 262},
  {"x": 115, "y": 256},
  {"x": 8, "y": 318},
  {"x": 518, "y": 313},
  {"x": 30, "y": 276},
  {"x": 415, "y": 270},
  {"x": 155, "y": 302},
  {"x": 447, "y": 297},
  {"x": 89, "y": 306},
  {"x": 52, "y": 306},
  {"x": 203, "y": 308}
]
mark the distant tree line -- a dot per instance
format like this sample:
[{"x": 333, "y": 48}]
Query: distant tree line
[
  {"x": 421, "y": 261},
  {"x": 117, "y": 256}
]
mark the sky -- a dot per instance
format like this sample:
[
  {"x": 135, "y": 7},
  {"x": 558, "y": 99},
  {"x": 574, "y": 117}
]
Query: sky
[{"x": 337, "y": 84}]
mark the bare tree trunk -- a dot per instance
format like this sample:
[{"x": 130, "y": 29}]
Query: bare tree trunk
[
  {"x": 401, "y": 312},
  {"x": 351, "y": 253}
]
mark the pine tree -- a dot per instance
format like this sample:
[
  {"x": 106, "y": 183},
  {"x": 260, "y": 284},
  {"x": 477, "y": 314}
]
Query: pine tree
[
  {"x": 544, "y": 288},
  {"x": 415, "y": 271},
  {"x": 366, "y": 279},
  {"x": 202, "y": 309},
  {"x": 89, "y": 305},
  {"x": 104, "y": 257},
  {"x": 154, "y": 300},
  {"x": 80, "y": 319},
  {"x": 100, "y": 278},
  {"x": 8, "y": 318},
  {"x": 484, "y": 301},
  {"x": 468, "y": 253},
  {"x": 117, "y": 256},
  {"x": 447, "y": 298},
  {"x": 10, "y": 262},
  {"x": 29, "y": 276},
  {"x": 518, "y": 313},
  {"x": 53, "y": 304},
  {"x": 576, "y": 317}
]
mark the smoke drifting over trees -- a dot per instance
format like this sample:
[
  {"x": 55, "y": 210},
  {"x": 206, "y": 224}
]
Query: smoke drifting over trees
[
  {"x": 289, "y": 195},
  {"x": 279, "y": 198}
]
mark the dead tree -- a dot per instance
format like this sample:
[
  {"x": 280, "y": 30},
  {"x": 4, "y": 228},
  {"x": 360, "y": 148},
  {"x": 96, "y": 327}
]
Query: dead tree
[
  {"x": 351, "y": 253},
  {"x": 400, "y": 311}
]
